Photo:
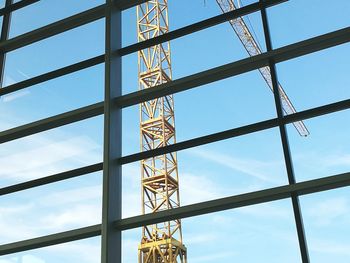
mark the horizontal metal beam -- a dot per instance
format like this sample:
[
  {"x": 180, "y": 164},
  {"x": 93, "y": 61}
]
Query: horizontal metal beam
[
  {"x": 252, "y": 198},
  {"x": 126, "y": 4},
  {"x": 52, "y": 75},
  {"x": 16, "y": 6},
  {"x": 232, "y": 69},
  {"x": 51, "y": 179},
  {"x": 53, "y": 29},
  {"x": 52, "y": 122},
  {"x": 49, "y": 240},
  {"x": 197, "y": 27},
  {"x": 243, "y": 130}
]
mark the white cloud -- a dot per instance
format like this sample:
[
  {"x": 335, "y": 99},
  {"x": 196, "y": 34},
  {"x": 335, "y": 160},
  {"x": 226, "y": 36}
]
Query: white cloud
[
  {"x": 79, "y": 194},
  {"x": 336, "y": 160},
  {"x": 16, "y": 95},
  {"x": 330, "y": 247},
  {"x": 46, "y": 156},
  {"x": 328, "y": 211},
  {"x": 322, "y": 163},
  {"x": 31, "y": 259},
  {"x": 57, "y": 211},
  {"x": 195, "y": 188},
  {"x": 23, "y": 74},
  {"x": 213, "y": 257},
  {"x": 206, "y": 238},
  {"x": 9, "y": 80},
  {"x": 264, "y": 171},
  {"x": 75, "y": 216},
  {"x": 129, "y": 249}
]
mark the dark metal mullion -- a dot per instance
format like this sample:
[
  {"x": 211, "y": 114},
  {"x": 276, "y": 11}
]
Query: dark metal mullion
[
  {"x": 112, "y": 172},
  {"x": 51, "y": 179},
  {"x": 5, "y": 30},
  {"x": 285, "y": 143}
]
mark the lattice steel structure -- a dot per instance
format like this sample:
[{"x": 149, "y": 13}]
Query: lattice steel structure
[
  {"x": 159, "y": 174},
  {"x": 112, "y": 225}
]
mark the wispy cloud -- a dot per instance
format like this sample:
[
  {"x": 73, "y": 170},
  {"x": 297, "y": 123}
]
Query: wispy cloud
[
  {"x": 23, "y": 74},
  {"x": 13, "y": 96},
  {"x": 262, "y": 170},
  {"x": 56, "y": 212},
  {"x": 326, "y": 212},
  {"x": 47, "y": 157},
  {"x": 213, "y": 257},
  {"x": 326, "y": 246},
  {"x": 320, "y": 163}
]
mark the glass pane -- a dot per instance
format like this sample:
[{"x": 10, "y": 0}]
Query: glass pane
[
  {"x": 327, "y": 225},
  {"x": 53, "y": 97},
  {"x": 67, "y": 205},
  {"x": 55, "y": 52},
  {"x": 51, "y": 152},
  {"x": 46, "y": 12},
  {"x": 85, "y": 251},
  {"x": 317, "y": 79},
  {"x": 298, "y": 20},
  {"x": 240, "y": 165},
  {"x": 183, "y": 13},
  {"x": 219, "y": 106},
  {"x": 325, "y": 151},
  {"x": 259, "y": 233}
]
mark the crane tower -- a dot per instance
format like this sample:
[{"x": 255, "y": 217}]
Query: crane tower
[{"x": 160, "y": 242}]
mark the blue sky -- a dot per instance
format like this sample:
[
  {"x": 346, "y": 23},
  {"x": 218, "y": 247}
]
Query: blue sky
[{"x": 264, "y": 233}]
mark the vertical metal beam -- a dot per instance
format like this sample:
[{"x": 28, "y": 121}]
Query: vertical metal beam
[
  {"x": 285, "y": 143},
  {"x": 111, "y": 237},
  {"x": 5, "y": 30}
]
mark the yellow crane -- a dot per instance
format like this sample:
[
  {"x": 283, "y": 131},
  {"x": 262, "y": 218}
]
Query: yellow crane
[
  {"x": 162, "y": 242},
  {"x": 160, "y": 181}
]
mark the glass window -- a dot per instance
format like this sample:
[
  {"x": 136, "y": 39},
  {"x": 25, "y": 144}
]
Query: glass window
[
  {"x": 66, "y": 205},
  {"x": 46, "y": 12},
  {"x": 85, "y": 251},
  {"x": 54, "y": 151},
  {"x": 55, "y": 52},
  {"x": 327, "y": 225}
]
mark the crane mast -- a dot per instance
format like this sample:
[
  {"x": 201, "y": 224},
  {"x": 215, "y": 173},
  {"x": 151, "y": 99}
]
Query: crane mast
[
  {"x": 160, "y": 242},
  {"x": 253, "y": 49}
]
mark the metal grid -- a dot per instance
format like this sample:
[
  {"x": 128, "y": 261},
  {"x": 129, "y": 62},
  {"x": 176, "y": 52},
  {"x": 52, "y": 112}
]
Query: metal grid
[{"x": 112, "y": 223}]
